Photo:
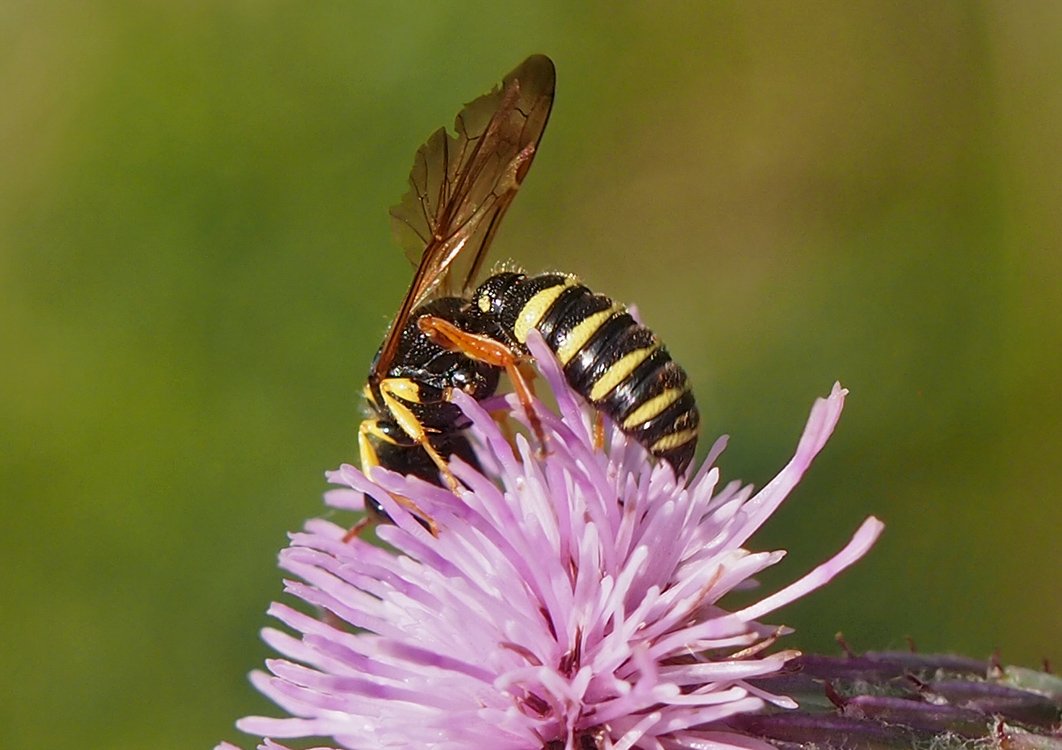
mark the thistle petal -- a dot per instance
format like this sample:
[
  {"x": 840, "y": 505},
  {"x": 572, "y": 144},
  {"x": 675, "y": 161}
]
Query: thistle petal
[{"x": 571, "y": 598}]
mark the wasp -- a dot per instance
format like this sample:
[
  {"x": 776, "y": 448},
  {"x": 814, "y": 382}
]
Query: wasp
[{"x": 451, "y": 333}]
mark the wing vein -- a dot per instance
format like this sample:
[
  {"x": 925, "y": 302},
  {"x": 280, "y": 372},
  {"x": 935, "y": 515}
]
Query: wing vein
[{"x": 462, "y": 184}]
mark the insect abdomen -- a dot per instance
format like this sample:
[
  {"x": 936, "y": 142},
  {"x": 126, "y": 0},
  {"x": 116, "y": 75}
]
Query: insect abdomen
[{"x": 617, "y": 364}]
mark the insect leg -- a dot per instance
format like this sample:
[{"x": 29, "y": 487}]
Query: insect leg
[
  {"x": 396, "y": 394},
  {"x": 485, "y": 349},
  {"x": 367, "y": 451},
  {"x": 355, "y": 531},
  {"x": 369, "y": 431},
  {"x": 599, "y": 430}
]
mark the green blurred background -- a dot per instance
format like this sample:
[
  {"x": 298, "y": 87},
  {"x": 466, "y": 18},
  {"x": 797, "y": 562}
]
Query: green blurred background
[{"x": 196, "y": 268}]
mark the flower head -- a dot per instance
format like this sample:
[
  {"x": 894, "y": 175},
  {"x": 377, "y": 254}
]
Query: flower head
[{"x": 571, "y": 598}]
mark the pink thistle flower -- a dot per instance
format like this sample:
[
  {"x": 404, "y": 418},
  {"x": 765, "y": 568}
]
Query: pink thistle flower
[{"x": 570, "y": 600}]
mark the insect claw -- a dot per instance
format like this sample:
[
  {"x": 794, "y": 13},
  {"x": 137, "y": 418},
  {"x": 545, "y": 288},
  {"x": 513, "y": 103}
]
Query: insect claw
[{"x": 355, "y": 530}]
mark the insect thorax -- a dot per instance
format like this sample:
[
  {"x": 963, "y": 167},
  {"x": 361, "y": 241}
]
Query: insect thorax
[{"x": 436, "y": 369}]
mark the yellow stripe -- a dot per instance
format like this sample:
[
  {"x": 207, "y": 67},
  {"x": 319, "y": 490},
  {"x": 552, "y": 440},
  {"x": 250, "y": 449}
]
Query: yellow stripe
[
  {"x": 653, "y": 407},
  {"x": 618, "y": 372},
  {"x": 536, "y": 307},
  {"x": 579, "y": 335},
  {"x": 674, "y": 440}
]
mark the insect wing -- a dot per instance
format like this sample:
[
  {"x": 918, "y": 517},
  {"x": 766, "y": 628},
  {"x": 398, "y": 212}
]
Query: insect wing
[{"x": 461, "y": 185}]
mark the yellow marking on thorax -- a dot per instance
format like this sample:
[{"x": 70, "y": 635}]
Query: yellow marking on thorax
[
  {"x": 672, "y": 441},
  {"x": 654, "y": 407},
  {"x": 536, "y": 307},
  {"x": 582, "y": 333},
  {"x": 619, "y": 372}
]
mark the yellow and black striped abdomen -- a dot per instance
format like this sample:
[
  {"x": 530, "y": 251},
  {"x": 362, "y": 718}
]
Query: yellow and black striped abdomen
[{"x": 617, "y": 364}]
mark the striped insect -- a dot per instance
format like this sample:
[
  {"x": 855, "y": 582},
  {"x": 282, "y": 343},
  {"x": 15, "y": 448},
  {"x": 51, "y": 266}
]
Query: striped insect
[{"x": 450, "y": 334}]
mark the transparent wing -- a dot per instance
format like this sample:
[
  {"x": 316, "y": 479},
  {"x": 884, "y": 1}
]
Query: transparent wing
[{"x": 461, "y": 185}]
